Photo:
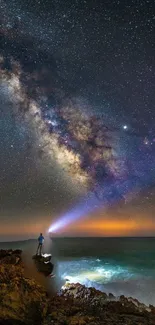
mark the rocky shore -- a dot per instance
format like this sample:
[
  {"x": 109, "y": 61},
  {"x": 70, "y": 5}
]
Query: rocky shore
[{"x": 23, "y": 301}]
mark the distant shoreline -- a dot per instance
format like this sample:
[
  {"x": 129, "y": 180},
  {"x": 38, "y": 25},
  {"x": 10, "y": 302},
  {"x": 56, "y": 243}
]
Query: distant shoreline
[{"x": 79, "y": 237}]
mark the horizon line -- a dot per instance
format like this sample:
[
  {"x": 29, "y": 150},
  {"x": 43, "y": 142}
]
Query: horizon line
[{"x": 79, "y": 237}]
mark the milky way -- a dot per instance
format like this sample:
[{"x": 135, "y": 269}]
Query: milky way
[
  {"x": 79, "y": 142},
  {"x": 65, "y": 129}
]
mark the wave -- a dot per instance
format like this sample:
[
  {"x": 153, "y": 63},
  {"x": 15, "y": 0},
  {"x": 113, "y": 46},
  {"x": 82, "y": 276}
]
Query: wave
[{"x": 109, "y": 277}]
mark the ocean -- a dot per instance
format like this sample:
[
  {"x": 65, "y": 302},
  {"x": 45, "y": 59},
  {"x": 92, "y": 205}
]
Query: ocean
[{"x": 117, "y": 265}]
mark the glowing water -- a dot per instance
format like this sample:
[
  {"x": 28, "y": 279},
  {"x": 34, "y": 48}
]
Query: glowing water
[{"x": 121, "y": 265}]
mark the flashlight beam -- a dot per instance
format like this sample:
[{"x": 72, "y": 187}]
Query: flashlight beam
[{"x": 112, "y": 193}]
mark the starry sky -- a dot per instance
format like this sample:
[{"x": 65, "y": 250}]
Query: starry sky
[{"x": 77, "y": 115}]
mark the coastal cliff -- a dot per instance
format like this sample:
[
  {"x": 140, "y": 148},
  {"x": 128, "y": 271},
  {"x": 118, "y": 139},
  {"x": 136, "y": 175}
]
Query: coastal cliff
[{"x": 23, "y": 301}]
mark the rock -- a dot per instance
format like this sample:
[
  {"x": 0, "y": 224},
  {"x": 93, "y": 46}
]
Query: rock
[
  {"x": 24, "y": 302},
  {"x": 10, "y": 257},
  {"x": 43, "y": 264},
  {"x": 21, "y": 299},
  {"x": 108, "y": 308},
  {"x": 17, "y": 252},
  {"x": 46, "y": 269},
  {"x": 111, "y": 296},
  {"x": 42, "y": 258}
]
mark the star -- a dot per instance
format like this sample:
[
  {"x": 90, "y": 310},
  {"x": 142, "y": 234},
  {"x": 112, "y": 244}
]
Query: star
[
  {"x": 125, "y": 127},
  {"x": 84, "y": 94}
]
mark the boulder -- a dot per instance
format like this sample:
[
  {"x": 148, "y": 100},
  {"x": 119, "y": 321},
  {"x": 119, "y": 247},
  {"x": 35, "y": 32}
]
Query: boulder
[
  {"x": 42, "y": 258},
  {"x": 24, "y": 302},
  {"x": 43, "y": 264}
]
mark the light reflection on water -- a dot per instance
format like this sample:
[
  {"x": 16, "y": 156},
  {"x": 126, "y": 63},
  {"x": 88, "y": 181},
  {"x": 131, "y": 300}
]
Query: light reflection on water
[
  {"x": 109, "y": 277},
  {"x": 118, "y": 265}
]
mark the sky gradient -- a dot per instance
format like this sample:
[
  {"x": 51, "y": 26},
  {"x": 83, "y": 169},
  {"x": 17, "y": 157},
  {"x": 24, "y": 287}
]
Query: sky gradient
[{"x": 77, "y": 116}]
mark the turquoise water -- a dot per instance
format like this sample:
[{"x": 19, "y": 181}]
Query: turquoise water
[{"x": 118, "y": 265}]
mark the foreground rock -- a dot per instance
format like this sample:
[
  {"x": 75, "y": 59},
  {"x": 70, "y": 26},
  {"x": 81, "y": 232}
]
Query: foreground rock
[
  {"x": 23, "y": 301},
  {"x": 108, "y": 309},
  {"x": 43, "y": 264}
]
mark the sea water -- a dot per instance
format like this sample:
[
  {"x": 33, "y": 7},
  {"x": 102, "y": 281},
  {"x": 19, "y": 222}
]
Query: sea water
[{"x": 117, "y": 265}]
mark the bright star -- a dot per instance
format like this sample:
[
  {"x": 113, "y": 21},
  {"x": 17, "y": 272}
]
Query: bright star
[{"x": 125, "y": 127}]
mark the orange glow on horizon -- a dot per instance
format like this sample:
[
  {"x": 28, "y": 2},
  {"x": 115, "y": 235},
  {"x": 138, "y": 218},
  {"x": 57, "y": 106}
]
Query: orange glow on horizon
[
  {"x": 24, "y": 228},
  {"x": 99, "y": 225},
  {"x": 113, "y": 227}
]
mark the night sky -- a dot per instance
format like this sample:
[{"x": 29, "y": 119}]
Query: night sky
[{"x": 77, "y": 116}]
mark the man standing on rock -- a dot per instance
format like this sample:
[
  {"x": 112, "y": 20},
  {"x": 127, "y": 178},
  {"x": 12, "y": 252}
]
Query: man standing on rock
[{"x": 40, "y": 245}]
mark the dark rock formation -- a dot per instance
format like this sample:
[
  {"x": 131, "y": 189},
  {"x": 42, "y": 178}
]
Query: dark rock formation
[
  {"x": 42, "y": 258},
  {"x": 23, "y": 301},
  {"x": 108, "y": 309},
  {"x": 43, "y": 264}
]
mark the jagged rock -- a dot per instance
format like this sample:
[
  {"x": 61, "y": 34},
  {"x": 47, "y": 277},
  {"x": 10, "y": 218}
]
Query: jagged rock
[
  {"x": 111, "y": 296},
  {"x": 42, "y": 258},
  {"x": 43, "y": 264},
  {"x": 10, "y": 257},
  {"x": 24, "y": 302},
  {"x": 110, "y": 310},
  {"x": 21, "y": 299}
]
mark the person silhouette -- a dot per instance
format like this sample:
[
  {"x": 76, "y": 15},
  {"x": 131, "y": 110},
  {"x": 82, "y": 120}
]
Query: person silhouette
[{"x": 40, "y": 244}]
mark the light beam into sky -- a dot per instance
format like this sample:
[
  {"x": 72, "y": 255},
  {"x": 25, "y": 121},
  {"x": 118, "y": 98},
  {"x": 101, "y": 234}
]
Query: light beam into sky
[
  {"x": 80, "y": 210},
  {"x": 112, "y": 194},
  {"x": 86, "y": 140}
]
